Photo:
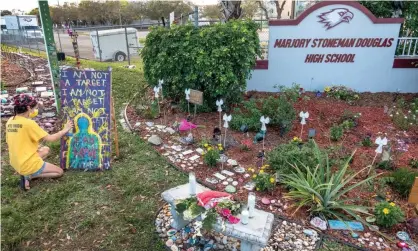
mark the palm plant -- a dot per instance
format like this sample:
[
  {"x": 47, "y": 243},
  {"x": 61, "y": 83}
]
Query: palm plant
[{"x": 323, "y": 190}]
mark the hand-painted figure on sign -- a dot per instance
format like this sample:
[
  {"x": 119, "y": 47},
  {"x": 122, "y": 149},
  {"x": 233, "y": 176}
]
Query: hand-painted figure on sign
[{"x": 84, "y": 148}]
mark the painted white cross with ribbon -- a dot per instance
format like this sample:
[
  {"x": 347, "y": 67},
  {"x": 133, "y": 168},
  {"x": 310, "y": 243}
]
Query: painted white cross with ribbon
[
  {"x": 219, "y": 103},
  {"x": 227, "y": 119},
  {"x": 264, "y": 121},
  {"x": 380, "y": 142},
  {"x": 187, "y": 92},
  {"x": 303, "y": 116}
]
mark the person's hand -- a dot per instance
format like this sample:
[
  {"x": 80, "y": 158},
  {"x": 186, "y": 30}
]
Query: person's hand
[{"x": 68, "y": 126}]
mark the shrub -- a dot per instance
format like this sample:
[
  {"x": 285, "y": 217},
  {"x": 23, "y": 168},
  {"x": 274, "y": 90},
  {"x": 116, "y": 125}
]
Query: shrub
[
  {"x": 405, "y": 119},
  {"x": 341, "y": 92},
  {"x": 283, "y": 157},
  {"x": 279, "y": 110},
  {"x": 211, "y": 157},
  {"x": 215, "y": 59},
  {"x": 336, "y": 132},
  {"x": 323, "y": 190},
  {"x": 388, "y": 214},
  {"x": 403, "y": 180},
  {"x": 264, "y": 181}
]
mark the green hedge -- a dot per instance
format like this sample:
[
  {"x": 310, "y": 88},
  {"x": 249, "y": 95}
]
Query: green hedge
[{"x": 215, "y": 59}]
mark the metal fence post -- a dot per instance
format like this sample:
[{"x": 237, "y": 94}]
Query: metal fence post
[
  {"x": 59, "y": 39},
  {"x": 127, "y": 47},
  {"x": 98, "y": 45},
  {"x": 196, "y": 16},
  {"x": 28, "y": 41}
]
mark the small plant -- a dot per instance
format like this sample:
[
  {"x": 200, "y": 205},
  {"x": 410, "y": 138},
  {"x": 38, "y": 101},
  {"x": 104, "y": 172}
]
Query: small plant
[
  {"x": 336, "y": 132},
  {"x": 385, "y": 165},
  {"x": 388, "y": 214},
  {"x": 212, "y": 156},
  {"x": 367, "y": 142},
  {"x": 405, "y": 119},
  {"x": 323, "y": 190},
  {"x": 284, "y": 156},
  {"x": 246, "y": 144},
  {"x": 413, "y": 162},
  {"x": 264, "y": 181},
  {"x": 403, "y": 180},
  {"x": 342, "y": 93}
]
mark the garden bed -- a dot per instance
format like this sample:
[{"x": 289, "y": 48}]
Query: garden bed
[{"x": 324, "y": 113}]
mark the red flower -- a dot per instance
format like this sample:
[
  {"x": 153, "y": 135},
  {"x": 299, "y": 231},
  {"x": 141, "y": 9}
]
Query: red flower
[
  {"x": 225, "y": 212},
  {"x": 233, "y": 220}
]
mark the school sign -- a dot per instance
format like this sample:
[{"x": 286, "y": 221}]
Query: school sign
[{"x": 335, "y": 43}]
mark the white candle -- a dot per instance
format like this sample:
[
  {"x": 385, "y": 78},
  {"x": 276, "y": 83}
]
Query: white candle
[
  {"x": 251, "y": 204},
  {"x": 192, "y": 184},
  {"x": 244, "y": 217}
]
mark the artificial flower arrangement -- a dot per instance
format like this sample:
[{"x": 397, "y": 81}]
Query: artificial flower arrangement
[{"x": 211, "y": 205}]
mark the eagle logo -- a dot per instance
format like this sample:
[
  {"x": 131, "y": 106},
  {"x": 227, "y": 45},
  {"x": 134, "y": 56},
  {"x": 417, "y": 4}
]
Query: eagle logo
[
  {"x": 334, "y": 17},
  {"x": 27, "y": 19}
]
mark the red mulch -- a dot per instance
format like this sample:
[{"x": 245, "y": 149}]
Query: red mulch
[
  {"x": 13, "y": 74},
  {"x": 323, "y": 113}
]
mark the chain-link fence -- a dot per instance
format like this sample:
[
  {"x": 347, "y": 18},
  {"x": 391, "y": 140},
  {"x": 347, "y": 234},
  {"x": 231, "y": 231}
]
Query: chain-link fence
[{"x": 32, "y": 39}]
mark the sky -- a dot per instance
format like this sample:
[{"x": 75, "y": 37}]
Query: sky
[{"x": 28, "y": 5}]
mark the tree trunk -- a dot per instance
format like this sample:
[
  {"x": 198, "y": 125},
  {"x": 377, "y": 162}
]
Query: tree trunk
[
  {"x": 279, "y": 8},
  {"x": 263, "y": 8},
  {"x": 231, "y": 9}
]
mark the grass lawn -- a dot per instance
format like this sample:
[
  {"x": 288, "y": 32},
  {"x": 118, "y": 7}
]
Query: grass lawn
[{"x": 112, "y": 210}]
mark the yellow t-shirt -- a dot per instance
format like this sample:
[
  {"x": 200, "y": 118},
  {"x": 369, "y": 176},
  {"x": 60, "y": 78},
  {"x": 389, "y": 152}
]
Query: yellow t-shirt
[{"x": 22, "y": 137}]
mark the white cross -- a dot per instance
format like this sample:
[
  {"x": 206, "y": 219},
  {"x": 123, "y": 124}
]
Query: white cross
[
  {"x": 219, "y": 103},
  {"x": 381, "y": 142},
  {"x": 227, "y": 119},
  {"x": 264, "y": 121},
  {"x": 156, "y": 91},
  {"x": 303, "y": 116},
  {"x": 187, "y": 91}
]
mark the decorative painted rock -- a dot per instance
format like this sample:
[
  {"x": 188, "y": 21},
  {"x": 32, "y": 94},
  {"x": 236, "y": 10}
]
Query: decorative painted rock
[
  {"x": 319, "y": 223},
  {"x": 169, "y": 243},
  {"x": 309, "y": 232},
  {"x": 265, "y": 201},
  {"x": 155, "y": 140},
  {"x": 171, "y": 232},
  {"x": 354, "y": 235},
  {"x": 230, "y": 189},
  {"x": 232, "y": 162},
  {"x": 374, "y": 228},
  {"x": 348, "y": 225},
  {"x": 403, "y": 236},
  {"x": 370, "y": 219},
  {"x": 149, "y": 124},
  {"x": 230, "y": 179},
  {"x": 250, "y": 186},
  {"x": 402, "y": 244},
  {"x": 225, "y": 183},
  {"x": 174, "y": 248},
  {"x": 239, "y": 169},
  {"x": 212, "y": 180},
  {"x": 235, "y": 183}
]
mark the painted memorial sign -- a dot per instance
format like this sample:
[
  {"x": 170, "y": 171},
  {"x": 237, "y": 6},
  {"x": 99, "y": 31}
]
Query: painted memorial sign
[
  {"x": 85, "y": 99},
  {"x": 334, "y": 42},
  {"x": 196, "y": 97}
]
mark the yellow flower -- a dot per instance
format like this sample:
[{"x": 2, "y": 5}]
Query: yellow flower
[
  {"x": 261, "y": 171},
  {"x": 272, "y": 180},
  {"x": 258, "y": 189},
  {"x": 392, "y": 204},
  {"x": 263, "y": 167},
  {"x": 386, "y": 211},
  {"x": 220, "y": 148},
  {"x": 206, "y": 145},
  {"x": 327, "y": 89},
  {"x": 254, "y": 176},
  {"x": 356, "y": 96},
  {"x": 267, "y": 166},
  {"x": 209, "y": 148},
  {"x": 220, "y": 145}
]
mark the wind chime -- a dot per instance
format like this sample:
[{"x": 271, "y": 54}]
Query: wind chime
[{"x": 303, "y": 116}]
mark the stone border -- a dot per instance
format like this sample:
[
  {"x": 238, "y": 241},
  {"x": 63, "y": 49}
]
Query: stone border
[{"x": 322, "y": 236}]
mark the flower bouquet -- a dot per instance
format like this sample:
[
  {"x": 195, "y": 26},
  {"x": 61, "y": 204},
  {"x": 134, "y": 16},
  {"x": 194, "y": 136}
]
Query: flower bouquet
[{"x": 212, "y": 205}]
